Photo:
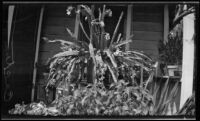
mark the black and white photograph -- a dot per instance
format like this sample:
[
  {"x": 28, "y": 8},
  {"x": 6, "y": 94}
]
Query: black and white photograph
[{"x": 99, "y": 60}]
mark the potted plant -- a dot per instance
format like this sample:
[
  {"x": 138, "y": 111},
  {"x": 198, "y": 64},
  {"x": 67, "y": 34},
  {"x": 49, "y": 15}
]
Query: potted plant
[{"x": 170, "y": 53}]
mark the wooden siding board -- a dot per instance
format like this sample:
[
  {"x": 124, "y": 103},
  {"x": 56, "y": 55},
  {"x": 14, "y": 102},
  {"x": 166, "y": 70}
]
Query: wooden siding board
[
  {"x": 144, "y": 44},
  {"x": 45, "y": 46},
  {"x": 59, "y": 21},
  {"x": 147, "y": 8},
  {"x": 144, "y": 17},
  {"x": 54, "y": 27},
  {"x": 148, "y": 47},
  {"x": 147, "y": 26},
  {"x": 45, "y": 55},
  {"x": 58, "y": 11},
  {"x": 57, "y": 30},
  {"x": 147, "y": 35}
]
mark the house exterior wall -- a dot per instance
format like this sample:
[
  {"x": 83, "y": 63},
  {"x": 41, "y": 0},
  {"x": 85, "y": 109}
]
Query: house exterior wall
[
  {"x": 55, "y": 21},
  {"x": 54, "y": 27},
  {"x": 147, "y": 28}
]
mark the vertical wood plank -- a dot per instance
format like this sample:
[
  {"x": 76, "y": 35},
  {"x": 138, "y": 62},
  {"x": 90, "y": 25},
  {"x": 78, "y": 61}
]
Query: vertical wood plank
[
  {"x": 128, "y": 24},
  {"x": 36, "y": 53},
  {"x": 166, "y": 24},
  {"x": 188, "y": 58},
  {"x": 11, "y": 9}
]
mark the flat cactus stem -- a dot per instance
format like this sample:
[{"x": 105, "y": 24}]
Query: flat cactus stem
[
  {"x": 102, "y": 29},
  {"x": 84, "y": 31},
  {"x": 116, "y": 28}
]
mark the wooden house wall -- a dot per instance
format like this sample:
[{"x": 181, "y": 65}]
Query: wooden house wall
[
  {"x": 23, "y": 37},
  {"x": 55, "y": 21},
  {"x": 54, "y": 27},
  {"x": 147, "y": 28}
]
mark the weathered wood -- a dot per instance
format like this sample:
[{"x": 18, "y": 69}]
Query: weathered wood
[
  {"x": 144, "y": 44},
  {"x": 148, "y": 47},
  {"x": 54, "y": 27},
  {"x": 147, "y": 17},
  {"x": 57, "y": 36},
  {"x": 58, "y": 21},
  {"x": 45, "y": 55},
  {"x": 147, "y": 35},
  {"x": 60, "y": 30},
  {"x": 58, "y": 11},
  {"x": 45, "y": 46},
  {"x": 147, "y": 26},
  {"x": 188, "y": 58},
  {"x": 148, "y": 8},
  {"x": 37, "y": 52}
]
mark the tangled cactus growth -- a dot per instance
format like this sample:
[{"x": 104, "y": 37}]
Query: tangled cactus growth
[
  {"x": 92, "y": 59},
  {"x": 98, "y": 60}
]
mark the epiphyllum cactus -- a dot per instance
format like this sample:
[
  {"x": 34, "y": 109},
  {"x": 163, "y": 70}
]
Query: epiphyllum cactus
[{"x": 92, "y": 59}]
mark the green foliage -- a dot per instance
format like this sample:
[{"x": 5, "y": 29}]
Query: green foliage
[
  {"x": 80, "y": 58},
  {"x": 171, "y": 52},
  {"x": 163, "y": 99},
  {"x": 94, "y": 99},
  {"x": 116, "y": 81},
  {"x": 108, "y": 68}
]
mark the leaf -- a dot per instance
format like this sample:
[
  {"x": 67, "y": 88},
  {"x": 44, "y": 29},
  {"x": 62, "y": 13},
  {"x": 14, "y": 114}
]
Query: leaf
[
  {"x": 150, "y": 79},
  {"x": 163, "y": 96},
  {"x": 140, "y": 53},
  {"x": 169, "y": 112},
  {"x": 98, "y": 102},
  {"x": 63, "y": 42},
  {"x": 116, "y": 29},
  {"x": 70, "y": 32},
  {"x": 96, "y": 111},
  {"x": 114, "y": 76},
  {"x": 87, "y": 9},
  {"x": 76, "y": 93},
  {"x": 125, "y": 108},
  {"x": 66, "y": 53},
  {"x": 83, "y": 100},
  {"x": 122, "y": 43}
]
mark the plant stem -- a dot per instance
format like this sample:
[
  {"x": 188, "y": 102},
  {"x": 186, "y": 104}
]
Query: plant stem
[
  {"x": 116, "y": 28},
  {"x": 102, "y": 29},
  {"x": 84, "y": 31}
]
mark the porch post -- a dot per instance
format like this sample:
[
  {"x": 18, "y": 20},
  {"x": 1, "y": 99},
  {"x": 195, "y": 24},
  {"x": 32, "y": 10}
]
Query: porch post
[
  {"x": 11, "y": 9},
  {"x": 166, "y": 24},
  {"x": 188, "y": 58},
  {"x": 36, "y": 53},
  {"x": 128, "y": 24}
]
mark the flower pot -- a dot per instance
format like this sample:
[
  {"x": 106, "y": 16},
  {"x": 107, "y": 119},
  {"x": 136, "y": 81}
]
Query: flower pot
[{"x": 174, "y": 70}]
